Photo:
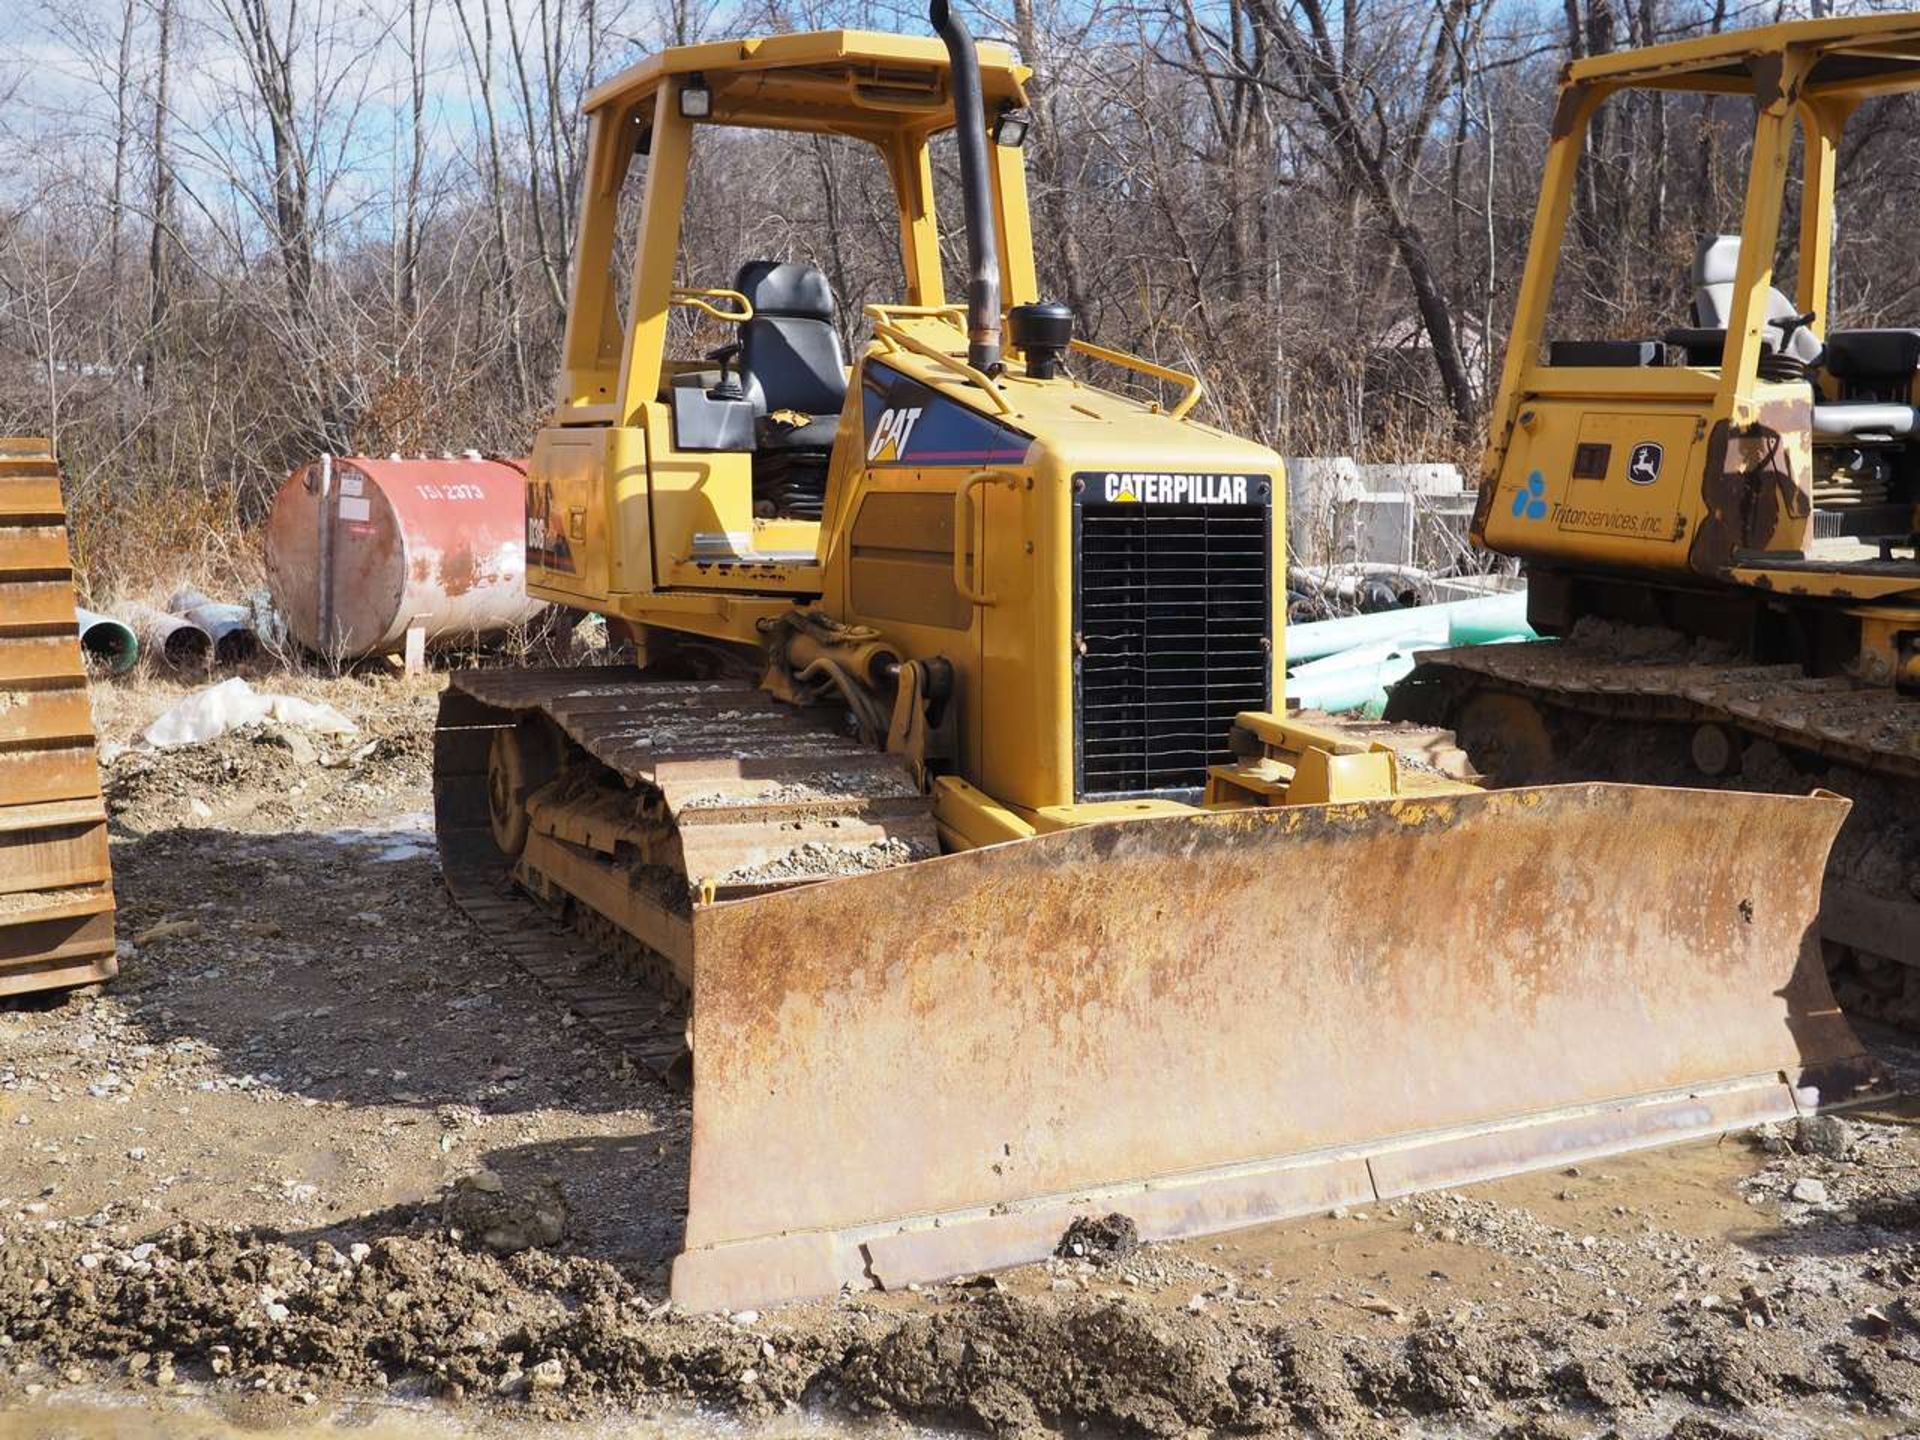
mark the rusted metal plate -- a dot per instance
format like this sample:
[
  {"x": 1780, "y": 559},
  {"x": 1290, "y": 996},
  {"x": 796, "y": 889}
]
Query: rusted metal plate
[
  {"x": 66, "y": 845},
  {"x": 36, "y": 604},
  {"x": 34, "y": 658},
  {"x": 1208, "y": 1020},
  {"x": 59, "y": 946},
  {"x": 29, "y": 495},
  {"x": 29, "y": 777},
  {"x": 56, "y": 900},
  {"x": 61, "y": 714},
  {"x": 33, "y": 548}
]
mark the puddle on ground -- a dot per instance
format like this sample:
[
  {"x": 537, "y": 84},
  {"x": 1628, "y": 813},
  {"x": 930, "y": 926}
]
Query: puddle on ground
[
  {"x": 406, "y": 837},
  {"x": 101, "y": 1416},
  {"x": 74, "y": 1415}
]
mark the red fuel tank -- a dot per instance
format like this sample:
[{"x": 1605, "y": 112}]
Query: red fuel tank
[{"x": 359, "y": 551}]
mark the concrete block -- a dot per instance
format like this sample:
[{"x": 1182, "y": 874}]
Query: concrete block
[
  {"x": 1377, "y": 527},
  {"x": 1317, "y": 486},
  {"x": 1424, "y": 478}
]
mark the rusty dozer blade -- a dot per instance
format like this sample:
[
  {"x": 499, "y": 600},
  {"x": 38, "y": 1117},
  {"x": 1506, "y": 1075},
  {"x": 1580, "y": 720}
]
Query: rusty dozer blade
[{"x": 1213, "y": 1021}]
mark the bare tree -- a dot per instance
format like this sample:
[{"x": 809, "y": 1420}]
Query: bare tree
[
  {"x": 160, "y": 201},
  {"x": 1322, "y": 206}
]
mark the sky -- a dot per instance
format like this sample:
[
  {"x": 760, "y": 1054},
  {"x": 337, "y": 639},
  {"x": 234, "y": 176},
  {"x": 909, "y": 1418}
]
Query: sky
[{"x": 58, "y": 61}]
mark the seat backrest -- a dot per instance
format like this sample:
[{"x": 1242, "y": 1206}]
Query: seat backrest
[
  {"x": 790, "y": 353},
  {"x": 1714, "y": 266}
]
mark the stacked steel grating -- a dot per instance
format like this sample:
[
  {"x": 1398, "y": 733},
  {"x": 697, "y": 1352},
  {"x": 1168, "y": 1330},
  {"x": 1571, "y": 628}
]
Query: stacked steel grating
[{"x": 56, "y": 890}]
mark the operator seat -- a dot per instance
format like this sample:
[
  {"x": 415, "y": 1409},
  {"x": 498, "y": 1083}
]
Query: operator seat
[
  {"x": 1714, "y": 266},
  {"x": 795, "y": 376},
  {"x": 1852, "y": 356},
  {"x": 790, "y": 356}
]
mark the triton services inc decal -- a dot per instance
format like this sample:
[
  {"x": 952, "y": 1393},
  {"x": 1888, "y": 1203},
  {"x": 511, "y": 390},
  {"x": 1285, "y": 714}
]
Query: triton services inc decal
[
  {"x": 1154, "y": 487},
  {"x": 1530, "y": 503}
]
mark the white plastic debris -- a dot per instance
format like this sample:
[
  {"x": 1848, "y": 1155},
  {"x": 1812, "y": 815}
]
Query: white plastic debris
[{"x": 208, "y": 714}]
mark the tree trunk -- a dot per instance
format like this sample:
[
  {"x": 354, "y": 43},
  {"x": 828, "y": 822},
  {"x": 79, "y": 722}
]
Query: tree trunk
[
  {"x": 481, "y": 49},
  {"x": 1044, "y": 161},
  {"x": 418, "y": 19},
  {"x": 117, "y": 202},
  {"x": 159, "y": 240}
]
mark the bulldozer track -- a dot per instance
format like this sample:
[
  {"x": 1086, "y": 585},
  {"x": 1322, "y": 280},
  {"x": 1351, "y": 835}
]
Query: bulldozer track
[
  {"x": 1870, "y": 731},
  {"x": 670, "y": 795},
  {"x": 56, "y": 888},
  {"x": 1869, "y": 727}
]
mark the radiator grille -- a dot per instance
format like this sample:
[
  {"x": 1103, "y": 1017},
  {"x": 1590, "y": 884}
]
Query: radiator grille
[{"x": 1174, "y": 615}]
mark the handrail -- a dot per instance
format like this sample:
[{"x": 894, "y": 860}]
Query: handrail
[
  {"x": 1195, "y": 386},
  {"x": 963, "y": 530},
  {"x": 894, "y": 334},
  {"x": 887, "y": 314},
  {"x": 699, "y": 300}
]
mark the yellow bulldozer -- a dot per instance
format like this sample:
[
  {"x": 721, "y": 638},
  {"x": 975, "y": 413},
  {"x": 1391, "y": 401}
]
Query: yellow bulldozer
[
  {"x": 56, "y": 890},
  {"x": 1719, "y": 521},
  {"x": 954, "y": 793}
]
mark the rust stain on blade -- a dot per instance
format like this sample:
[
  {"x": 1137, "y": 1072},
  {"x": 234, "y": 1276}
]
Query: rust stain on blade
[{"x": 1143, "y": 1003}]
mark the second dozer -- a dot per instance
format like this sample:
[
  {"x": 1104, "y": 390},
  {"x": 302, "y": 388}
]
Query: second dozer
[
  {"x": 954, "y": 792},
  {"x": 1720, "y": 523}
]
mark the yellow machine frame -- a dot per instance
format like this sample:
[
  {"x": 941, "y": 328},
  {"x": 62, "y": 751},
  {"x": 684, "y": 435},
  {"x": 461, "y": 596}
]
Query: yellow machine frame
[
  {"x": 1733, "y": 501},
  {"x": 638, "y": 501},
  {"x": 973, "y": 562}
]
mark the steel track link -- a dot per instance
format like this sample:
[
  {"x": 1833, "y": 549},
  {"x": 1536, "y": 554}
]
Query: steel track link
[
  {"x": 721, "y": 792},
  {"x": 1868, "y": 727},
  {"x": 647, "y": 1024}
]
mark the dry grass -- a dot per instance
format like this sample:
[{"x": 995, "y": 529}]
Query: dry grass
[
  {"x": 146, "y": 545},
  {"x": 122, "y": 709}
]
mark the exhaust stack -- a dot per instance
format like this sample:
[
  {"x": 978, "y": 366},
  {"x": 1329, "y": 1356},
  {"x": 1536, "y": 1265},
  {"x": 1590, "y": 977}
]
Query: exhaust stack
[{"x": 983, "y": 249}]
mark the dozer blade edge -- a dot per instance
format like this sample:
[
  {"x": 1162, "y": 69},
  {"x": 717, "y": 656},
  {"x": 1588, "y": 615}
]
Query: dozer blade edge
[{"x": 1215, "y": 1021}]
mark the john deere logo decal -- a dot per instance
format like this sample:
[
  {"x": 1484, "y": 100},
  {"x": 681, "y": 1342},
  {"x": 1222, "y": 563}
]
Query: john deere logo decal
[
  {"x": 1530, "y": 503},
  {"x": 1643, "y": 466}
]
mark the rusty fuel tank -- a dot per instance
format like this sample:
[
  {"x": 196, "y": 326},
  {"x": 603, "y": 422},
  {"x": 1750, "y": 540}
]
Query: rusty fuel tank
[{"x": 360, "y": 551}]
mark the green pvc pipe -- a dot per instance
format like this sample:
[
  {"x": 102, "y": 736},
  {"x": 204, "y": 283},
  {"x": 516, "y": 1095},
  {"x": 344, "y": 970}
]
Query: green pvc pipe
[
  {"x": 1483, "y": 621},
  {"x": 107, "y": 641},
  {"x": 1361, "y": 688},
  {"x": 1455, "y": 622},
  {"x": 1360, "y": 655}
]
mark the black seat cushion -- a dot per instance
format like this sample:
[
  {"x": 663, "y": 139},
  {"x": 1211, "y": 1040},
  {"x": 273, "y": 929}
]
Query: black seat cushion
[
  {"x": 1703, "y": 345},
  {"x": 790, "y": 356},
  {"x": 1873, "y": 354},
  {"x": 777, "y": 287}
]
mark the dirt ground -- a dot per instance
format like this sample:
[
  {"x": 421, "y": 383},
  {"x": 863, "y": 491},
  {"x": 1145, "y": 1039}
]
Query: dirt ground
[{"x": 323, "y": 1159}]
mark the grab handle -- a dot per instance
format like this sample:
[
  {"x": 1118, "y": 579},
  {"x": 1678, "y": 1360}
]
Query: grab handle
[{"x": 962, "y": 527}]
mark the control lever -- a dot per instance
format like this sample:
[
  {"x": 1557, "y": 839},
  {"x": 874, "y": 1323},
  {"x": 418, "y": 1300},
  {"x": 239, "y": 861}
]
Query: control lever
[
  {"x": 1789, "y": 324},
  {"x": 728, "y": 386}
]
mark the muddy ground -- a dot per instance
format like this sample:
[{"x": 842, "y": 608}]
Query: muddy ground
[{"x": 322, "y": 1152}]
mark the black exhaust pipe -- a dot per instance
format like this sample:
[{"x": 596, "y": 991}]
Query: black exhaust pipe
[{"x": 983, "y": 249}]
